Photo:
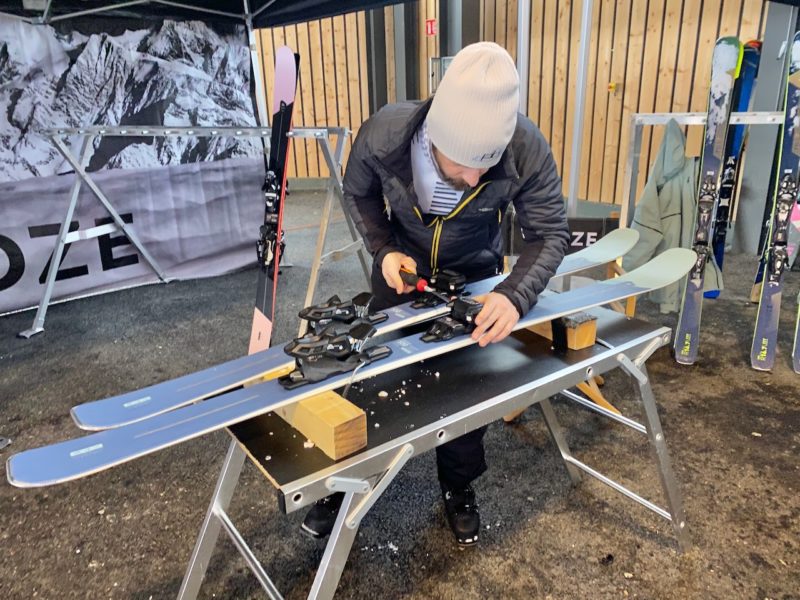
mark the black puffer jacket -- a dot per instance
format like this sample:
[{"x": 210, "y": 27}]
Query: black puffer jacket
[{"x": 468, "y": 240}]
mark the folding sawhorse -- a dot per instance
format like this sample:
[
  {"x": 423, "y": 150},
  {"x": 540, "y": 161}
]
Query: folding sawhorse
[{"x": 458, "y": 392}]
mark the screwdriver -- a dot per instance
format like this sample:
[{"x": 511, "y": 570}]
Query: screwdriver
[{"x": 420, "y": 284}]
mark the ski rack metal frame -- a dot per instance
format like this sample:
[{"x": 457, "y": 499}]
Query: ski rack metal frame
[
  {"x": 333, "y": 158},
  {"x": 362, "y": 477},
  {"x": 640, "y": 120}
]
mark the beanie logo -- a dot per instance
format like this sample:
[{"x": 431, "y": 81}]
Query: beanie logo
[{"x": 487, "y": 156}]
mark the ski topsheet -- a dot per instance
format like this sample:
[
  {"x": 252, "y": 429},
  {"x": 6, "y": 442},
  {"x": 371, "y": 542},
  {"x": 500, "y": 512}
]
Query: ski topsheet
[
  {"x": 737, "y": 135},
  {"x": 726, "y": 61},
  {"x": 162, "y": 397},
  {"x": 270, "y": 242},
  {"x": 96, "y": 452},
  {"x": 765, "y": 337}
]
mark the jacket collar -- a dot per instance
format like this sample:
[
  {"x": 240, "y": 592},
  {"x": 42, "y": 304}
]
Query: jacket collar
[{"x": 397, "y": 158}]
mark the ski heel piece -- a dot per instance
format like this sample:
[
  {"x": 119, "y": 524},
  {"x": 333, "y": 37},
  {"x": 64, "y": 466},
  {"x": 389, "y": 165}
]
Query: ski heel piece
[
  {"x": 319, "y": 356},
  {"x": 460, "y": 321}
]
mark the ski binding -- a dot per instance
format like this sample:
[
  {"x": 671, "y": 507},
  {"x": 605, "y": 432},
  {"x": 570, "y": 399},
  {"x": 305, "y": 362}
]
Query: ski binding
[
  {"x": 460, "y": 321},
  {"x": 330, "y": 352}
]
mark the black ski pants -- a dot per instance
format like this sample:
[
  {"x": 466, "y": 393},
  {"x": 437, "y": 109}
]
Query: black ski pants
[{"x": 461, "y": 460}]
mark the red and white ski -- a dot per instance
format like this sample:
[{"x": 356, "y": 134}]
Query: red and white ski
[{"x": 270, "y": 240}]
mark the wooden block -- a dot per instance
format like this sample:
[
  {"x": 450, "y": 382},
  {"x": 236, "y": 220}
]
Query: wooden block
[
  {"x": 581, "y": 330},
  {"x": 334, "y": 425}
]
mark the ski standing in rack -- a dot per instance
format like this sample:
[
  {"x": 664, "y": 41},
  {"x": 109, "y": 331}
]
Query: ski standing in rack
[
  {"x": 270, "y": 240},
  {"x": 776, "y": 258},
  {"x": 726, "y": 62},
  {"x": 737, "y": 137}
]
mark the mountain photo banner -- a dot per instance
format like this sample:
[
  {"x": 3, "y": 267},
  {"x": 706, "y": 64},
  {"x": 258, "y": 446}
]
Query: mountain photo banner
[{"x": 119, "y": 72}]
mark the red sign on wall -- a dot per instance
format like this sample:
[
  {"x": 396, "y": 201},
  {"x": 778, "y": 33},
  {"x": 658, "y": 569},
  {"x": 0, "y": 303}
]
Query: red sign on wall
[{"x": 430, "y": 27}]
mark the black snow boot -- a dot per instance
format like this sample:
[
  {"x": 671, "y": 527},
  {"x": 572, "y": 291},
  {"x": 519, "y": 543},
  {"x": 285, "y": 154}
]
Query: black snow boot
[
  {"x": 462, "y": 514},
  {"x": 321, "y": 517}
]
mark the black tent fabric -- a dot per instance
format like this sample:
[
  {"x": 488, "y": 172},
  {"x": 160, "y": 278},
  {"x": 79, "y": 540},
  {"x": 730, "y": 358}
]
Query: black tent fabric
[{"x": 265, "y": 13}]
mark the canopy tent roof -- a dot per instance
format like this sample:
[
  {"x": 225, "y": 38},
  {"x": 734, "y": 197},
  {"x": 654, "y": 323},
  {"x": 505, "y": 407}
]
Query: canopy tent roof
[{"x": 264, "y": 13}]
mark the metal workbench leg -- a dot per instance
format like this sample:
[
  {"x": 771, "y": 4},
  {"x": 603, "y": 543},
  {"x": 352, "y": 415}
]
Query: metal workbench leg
[
  {"x": 336, "y": 553},
  {"x": 61, "y": 242},
  {"x": 316, "y": 263},
  {"x": 558, "y": 437},
  {"x": 80, "y": 171},
  {"x": 348, "y": 521},
  {"x": 658, "y": 448},
  {"x": 207, "y": 539},
  {"x": 333, "y": 158},
  {"x": 335, "y": 167}
]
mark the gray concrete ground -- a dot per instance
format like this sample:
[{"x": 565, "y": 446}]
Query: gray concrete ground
[{"x": 128, "y": 533}]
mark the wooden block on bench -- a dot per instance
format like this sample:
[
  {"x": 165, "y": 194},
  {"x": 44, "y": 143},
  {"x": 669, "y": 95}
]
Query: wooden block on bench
[
  {"x": 581, "y": 330},
  {"x": 336, "y": 426}
]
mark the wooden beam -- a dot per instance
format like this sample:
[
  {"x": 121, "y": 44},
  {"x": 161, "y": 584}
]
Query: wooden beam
[
  {"x": 334, "y": 425},
  {"x": 581, "y": 330}
]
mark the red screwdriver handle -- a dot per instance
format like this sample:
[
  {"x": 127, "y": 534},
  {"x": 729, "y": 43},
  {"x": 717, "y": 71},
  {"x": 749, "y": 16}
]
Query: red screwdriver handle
[{"x": 412, "y": 279}]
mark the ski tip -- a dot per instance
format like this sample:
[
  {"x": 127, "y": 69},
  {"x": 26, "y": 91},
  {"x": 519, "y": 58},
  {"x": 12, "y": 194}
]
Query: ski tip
[{"x": 666, "y": 268}]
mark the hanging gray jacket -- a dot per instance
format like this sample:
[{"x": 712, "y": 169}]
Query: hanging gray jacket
[
  {"x": 664, "y": 215},
  {"x": 380, "y": 198}
]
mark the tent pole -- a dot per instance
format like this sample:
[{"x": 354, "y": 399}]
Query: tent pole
[
  {"x": 523, "y": 51},
  {"x": 255, "y": 62},
  {"x": 580, "y": 102}
]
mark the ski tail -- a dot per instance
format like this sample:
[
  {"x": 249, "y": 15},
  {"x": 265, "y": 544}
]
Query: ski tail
[{"x": 271, "y": 235}]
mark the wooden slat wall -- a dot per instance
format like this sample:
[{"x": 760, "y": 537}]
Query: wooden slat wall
[
  {"x": 333, "y": 80},
  {"x": 645, "y": 56}
]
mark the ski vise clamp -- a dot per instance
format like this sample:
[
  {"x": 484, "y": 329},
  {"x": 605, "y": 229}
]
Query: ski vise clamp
[
  {"x": 460, "y": 321},
  {"x": 319, "y": 356}
]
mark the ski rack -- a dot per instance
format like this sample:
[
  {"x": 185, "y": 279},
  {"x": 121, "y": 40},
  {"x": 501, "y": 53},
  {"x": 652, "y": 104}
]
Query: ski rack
[
  {"x": 531, "y": 374},
  {"x": 640, "y": 120},
  {"x": 333, "y": 159}
]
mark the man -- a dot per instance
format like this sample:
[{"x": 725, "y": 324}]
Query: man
[{"x": 427, "y": 184}]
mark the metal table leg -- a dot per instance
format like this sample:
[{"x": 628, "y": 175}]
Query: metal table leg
[
  {"x": 61, "y": 242},
  {"x": 216, "y": 517},
  {"x": 658, "y": 448}
]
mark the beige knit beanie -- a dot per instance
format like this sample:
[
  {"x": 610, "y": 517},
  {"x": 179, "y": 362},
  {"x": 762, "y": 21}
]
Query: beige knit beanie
[{"x": 474, "y": 110}]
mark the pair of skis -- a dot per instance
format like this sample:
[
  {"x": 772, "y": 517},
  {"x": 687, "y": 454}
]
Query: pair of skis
[
  {"x": 775, "y": 259},
  {"x": 163, "y": 397},
  {"x": 725, "y": 69},
  {"x": 77, "y": 458}
]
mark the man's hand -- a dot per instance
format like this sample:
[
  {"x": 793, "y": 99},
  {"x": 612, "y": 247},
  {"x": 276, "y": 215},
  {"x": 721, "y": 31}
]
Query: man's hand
[
  {"x": 390, "y": 268},
  {"x": 496, "y": 319}
]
